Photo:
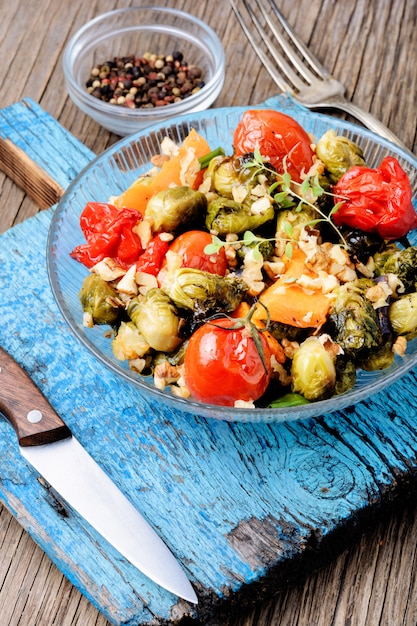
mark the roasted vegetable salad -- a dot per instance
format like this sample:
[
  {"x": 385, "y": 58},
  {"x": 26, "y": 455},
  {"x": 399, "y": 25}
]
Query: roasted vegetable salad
[{"x": 264, "y": 278}]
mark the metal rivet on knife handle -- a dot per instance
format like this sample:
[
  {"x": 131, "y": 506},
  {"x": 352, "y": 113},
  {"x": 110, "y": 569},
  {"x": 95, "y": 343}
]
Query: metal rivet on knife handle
[{"x": 34, "y": 416}]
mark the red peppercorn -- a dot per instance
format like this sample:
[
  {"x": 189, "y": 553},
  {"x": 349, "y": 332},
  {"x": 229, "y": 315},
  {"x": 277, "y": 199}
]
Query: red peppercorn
[{"x": 158, "y": 80}]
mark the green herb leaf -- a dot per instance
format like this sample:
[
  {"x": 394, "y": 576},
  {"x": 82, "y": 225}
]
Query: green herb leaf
[
  {"x": 336, "y": 208},
  {"x": 288, "y": 250},
  {"x": 305, "y": 186},
  {"x": 281, "y": 197},
  {"x": 316, "y": 187},
  {"x": 257, "y": 256},
  {"x": 214, "y": 246},
  {"x": 288, "y": 229},
  {"x": 249, "y": 238}
]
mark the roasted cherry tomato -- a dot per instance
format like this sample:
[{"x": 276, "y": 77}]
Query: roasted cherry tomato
[
  {"x": 109, "y": 233},
  {"x": 190, "y": 246},
  {"x": 277, "y": 136},
  {"x": 223, "y": 364},
  {"x": 376, "y": 200}
]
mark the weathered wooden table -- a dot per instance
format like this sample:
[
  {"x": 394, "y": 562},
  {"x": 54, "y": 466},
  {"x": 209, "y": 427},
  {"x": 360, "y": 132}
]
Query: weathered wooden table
[{"x": 370, "y": 576}]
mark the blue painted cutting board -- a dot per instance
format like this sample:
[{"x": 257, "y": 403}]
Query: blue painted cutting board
[{"x": 244, "y": 507}]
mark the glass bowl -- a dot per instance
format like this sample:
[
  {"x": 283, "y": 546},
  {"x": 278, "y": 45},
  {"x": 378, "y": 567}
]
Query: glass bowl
[
  {"x": 137, "y": 30},
  {"x": 113, "y": 171}
]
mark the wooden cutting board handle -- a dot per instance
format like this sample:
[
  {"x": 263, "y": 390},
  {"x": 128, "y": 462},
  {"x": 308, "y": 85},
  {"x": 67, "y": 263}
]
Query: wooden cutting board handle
[{"x": 28, "y": 175}]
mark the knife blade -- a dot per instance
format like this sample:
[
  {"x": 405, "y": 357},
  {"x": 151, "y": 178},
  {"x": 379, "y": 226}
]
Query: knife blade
[{"x": 47, "y": 443}]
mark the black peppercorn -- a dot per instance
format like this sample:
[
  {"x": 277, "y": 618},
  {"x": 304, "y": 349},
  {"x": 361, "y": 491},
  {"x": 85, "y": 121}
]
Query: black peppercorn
[{"x": 147, "y": 81}]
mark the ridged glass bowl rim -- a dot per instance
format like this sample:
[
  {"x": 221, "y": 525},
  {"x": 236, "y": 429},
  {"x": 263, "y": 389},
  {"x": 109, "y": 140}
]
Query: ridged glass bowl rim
[{"x": 178, "y": 127}]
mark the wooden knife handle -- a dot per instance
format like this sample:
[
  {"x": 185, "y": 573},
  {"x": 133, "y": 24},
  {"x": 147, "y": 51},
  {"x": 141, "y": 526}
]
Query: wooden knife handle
[{"x": 23, "y": 404}]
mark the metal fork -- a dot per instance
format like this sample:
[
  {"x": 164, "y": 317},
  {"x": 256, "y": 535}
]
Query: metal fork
[{"x": 293, "y": 67}]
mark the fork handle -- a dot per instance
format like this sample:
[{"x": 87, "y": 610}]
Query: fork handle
[{"x": 368, "y": 120}]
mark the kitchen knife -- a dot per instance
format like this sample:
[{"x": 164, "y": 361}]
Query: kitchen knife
[{"x": 48, "y": 445}]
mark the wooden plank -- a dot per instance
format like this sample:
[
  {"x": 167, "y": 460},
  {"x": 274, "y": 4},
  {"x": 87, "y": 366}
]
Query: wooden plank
[
  {"x": 245, "y": 507},
  {"x": 371, "y": 46}
]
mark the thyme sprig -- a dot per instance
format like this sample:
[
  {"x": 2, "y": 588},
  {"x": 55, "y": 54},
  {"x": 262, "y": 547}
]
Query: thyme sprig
[
  {"x": 294, "y": 195},
  {"x": 291, "y": 195},
  {"x": 249, "y": 239}
]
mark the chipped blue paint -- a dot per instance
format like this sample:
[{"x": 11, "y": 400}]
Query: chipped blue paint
[{"x": 196, "y": 480}]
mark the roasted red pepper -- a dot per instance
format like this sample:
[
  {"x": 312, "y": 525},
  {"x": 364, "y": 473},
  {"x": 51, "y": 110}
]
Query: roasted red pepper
[
  {"x": 109, "y": 233},
  {"x": 151, "y": 260},
  {"x": 376, "y": 200}
]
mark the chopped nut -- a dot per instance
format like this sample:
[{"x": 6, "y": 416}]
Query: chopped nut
[
  {"x": 169, "y": 148},
  {"x": 239, "y": 193},
  {"x": 244, "y": 404},
  {"x": 159, "y": 159},
  {"x": 128, "y": 284},
  {"x": 108, "y": 269},
  {"x": 166, "y": 237},
  {"x": 289, "y": 347},
  {"x": 274, "y": 268},
  {"x": 138, "y": 365},
  {"x": 166, "y": 374},
  {"x": 260, "y": 206},
  {"x": 252, "y": 273},
  {"x": 279, "y": 372},
  {"x": 145, "y": 282},
  {"x": 400, "y": 346},
  {"x": 231, "y": 257}
]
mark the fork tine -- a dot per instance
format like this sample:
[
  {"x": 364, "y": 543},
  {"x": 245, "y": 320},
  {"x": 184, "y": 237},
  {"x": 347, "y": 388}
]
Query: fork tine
[
  {"x": 279, "y": 60},
  {"x": 265, "y": 60},
  {"x": 286, "y": 46},
  {"x": 302, "y": 48}
]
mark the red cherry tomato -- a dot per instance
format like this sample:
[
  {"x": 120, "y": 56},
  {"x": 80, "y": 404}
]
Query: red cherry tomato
[
  {"x": 277, "y": 136},
  {"x": 376, "y": 200},
  {"x": 223, "y": 365},
  {"x": 190, "y": 246}
]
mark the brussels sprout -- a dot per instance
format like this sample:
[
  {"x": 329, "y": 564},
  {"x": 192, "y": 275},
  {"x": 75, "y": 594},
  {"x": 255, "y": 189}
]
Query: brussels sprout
[
  {"x": 226, "y": 173},
  {"x": 313, "y": 370},
  {"x": 173, "y": 358},
  {"x": 401, "y": 262},
  {"x": 296, "y": 219},
  {"x": 266, "y": 248},
  {"x": 97, "y": 299},
  {"x": 380, "y": 359},
  {"x": 129, "y": 343},
  {"x": 345, "y": 374},
  {"x": 338, "y": 154},
  {"x": 175, "y": 207},
  {"x": 285, "y": 331},
  {"x": 227, "y": 216},
  {"x": 201, "y": 291},
  {"x": 402, "y": 314},
  {"x": 157, "y": 320},
  {"x": 353, "y": 320}
]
